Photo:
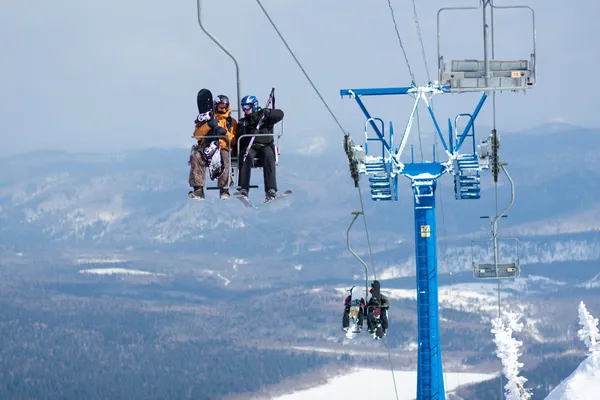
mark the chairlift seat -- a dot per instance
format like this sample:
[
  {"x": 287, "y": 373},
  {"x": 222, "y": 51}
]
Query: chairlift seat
[
  {"x": 489, "y": 271},
  {"x": 504, "y": 74}
]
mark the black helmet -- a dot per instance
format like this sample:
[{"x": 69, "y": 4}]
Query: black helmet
[{"x": 221, "y": 99}]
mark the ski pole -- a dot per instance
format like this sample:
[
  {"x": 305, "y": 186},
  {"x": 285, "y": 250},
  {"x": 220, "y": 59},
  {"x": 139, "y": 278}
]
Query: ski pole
[{"x": 271, "y": 96}]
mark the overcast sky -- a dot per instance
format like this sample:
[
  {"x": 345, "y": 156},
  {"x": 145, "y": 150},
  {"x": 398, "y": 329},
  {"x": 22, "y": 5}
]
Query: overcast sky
[{"x": 112, "y": 75}]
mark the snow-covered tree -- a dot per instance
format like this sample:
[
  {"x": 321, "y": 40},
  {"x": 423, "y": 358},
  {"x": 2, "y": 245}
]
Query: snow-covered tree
[
  {"x": 589, "y": 333},
  {"x": 508, "y": 352}
]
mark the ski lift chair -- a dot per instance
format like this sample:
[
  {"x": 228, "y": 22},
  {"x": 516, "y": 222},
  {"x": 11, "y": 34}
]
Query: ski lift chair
[{"x": 236, "y": 159}]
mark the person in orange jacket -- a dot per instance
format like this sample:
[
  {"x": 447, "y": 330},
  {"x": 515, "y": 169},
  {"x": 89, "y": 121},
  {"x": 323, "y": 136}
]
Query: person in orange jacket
[{"x": 223, "y": 124}]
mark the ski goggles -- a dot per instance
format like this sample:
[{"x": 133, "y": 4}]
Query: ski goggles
[
  {"x": 224, "y": 105},
  {"x": 246, "y": 107}
]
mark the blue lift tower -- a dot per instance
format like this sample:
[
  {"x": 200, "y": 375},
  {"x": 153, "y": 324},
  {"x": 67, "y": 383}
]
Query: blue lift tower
[{"x": 463, "y": 160}]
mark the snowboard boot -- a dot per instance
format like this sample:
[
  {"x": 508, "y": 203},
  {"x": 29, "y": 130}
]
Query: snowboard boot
[
  {"x": 224, "y": 194},
  {"x": 270, "y": 195},
  {"x": 197, "y": 193},
  {"x": 244, "y": 192}
]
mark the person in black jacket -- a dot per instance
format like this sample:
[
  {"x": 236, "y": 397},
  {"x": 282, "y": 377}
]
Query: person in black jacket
[
  {"x": 259, "y": 121},
  {"x": 380, "y": 301}
]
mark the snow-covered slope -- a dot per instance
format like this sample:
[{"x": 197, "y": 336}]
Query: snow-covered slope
[
  {"x": 582, "y": 384},
  {"x": 353, "y": 385}
]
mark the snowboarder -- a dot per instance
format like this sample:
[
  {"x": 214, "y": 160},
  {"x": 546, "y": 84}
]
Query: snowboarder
[
  {"x": 226, "y": 121},
  {"x": 210, "y": 152},
  {"x": 380, "y": 301},
  {"x": 257, "y": 120},
  {"x": 349, "y": 303}
]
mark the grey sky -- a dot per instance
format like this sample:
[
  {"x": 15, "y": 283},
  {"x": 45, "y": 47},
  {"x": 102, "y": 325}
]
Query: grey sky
[{"x": 111, "y": 75}]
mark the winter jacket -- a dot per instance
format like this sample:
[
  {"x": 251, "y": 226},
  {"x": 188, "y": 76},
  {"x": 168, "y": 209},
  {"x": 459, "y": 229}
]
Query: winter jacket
[
  {"x": 227, "y": 122},
  {"x": 376, "y": 297},
  {"x": 247, "y": 126},
  {"x": 210, "y": 128},
  {"x": 348, "y": 299}
]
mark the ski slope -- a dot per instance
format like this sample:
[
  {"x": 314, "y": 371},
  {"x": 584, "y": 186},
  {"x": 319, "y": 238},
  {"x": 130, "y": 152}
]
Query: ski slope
[
  {"x": 353, "y": 385},
  {"x": 582, "y": 384}
]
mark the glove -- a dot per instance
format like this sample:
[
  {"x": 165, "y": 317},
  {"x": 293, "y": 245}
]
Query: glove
[
  {"x": 266, "y": 112},
  {"x": 213, "y": 123}
]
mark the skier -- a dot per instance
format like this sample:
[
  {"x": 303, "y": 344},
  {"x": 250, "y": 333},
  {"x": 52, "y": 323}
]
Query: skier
[
  {"x": 346, "y": 317},
  {"x": 380, "y": 301},
  {"x": 212, "y": 152},
  {"x": 262, "y": 147}
]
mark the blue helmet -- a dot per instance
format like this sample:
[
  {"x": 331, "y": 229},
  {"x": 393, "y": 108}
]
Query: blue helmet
[{"x": 250, "y": 101}]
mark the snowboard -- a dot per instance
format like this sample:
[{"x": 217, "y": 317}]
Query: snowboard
[
  {"x": 243, "y": 199},
  {"x": 204, "y": 100}
]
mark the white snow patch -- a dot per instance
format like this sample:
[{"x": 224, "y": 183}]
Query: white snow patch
[
  {"x": 117, "y": 271},
  {"x": 315, "y": 145},
  {"x": 410, "y": 346},
  {"x": 477, "y": 297},
  {"x": 393, "y": 272},
  {"x": 345, "y": 387},
  {"x": 471, "y": 297},
  {"x": 113, "y": 260},
  {"x": 315, "y": 290},
  {"x": 582, "y": 384},
  {"x": 218, "y": 275},
  {"x": 424, "y": 175},
  {"x": 592, "y": 283},
  {"x": 531, "y": 328}
]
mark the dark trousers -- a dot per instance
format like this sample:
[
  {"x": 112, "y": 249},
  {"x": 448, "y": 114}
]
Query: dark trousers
[
  {"x": 267, "y": 156},
  {"x": 198, "y": 169},
  {"x": 371, "y": 317}
]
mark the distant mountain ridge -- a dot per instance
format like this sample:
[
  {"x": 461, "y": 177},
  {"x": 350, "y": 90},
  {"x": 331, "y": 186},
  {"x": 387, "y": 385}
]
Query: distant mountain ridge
[{"x": 137, "y": 201}]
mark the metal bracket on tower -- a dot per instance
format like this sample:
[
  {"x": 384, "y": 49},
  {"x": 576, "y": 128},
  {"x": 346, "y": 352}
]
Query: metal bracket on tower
[
  {"x": 489, "y": 155},
  {"x": 356, "y": 159}
]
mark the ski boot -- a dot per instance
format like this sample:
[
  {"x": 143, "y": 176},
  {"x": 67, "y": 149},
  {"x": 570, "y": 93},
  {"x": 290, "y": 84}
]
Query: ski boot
[
  {"x": 270, "y": 195},
  {"x": 197, "y": 193}
]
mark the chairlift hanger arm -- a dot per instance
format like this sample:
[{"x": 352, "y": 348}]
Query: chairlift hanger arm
[
  {"x": 218, "y": 43},
  {"x": 512, "y": 198},
  {"x": 356, "y": 214}
]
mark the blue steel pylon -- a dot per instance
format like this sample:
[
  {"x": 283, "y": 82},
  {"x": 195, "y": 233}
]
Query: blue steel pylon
[
  {"x": 383, "y": 170},
  {"x": 486, "y": 76}
]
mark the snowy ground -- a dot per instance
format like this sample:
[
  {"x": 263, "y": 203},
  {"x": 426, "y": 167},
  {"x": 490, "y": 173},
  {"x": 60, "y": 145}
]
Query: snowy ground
[
  {"x": 582, "y": 384},
  {"x": 464, "y": 296},
  {"x": 117, "y": 271},
  {"x": 351, "y": 385}
]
